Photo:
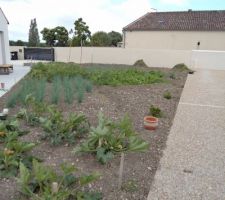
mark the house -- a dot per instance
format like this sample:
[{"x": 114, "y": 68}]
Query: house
[
  {"x": 186, "y": 30},
  {"x": 4, "y": 40}
]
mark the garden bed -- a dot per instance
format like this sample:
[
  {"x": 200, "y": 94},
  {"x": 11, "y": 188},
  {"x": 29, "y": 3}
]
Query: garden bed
[{"x": 114, "y": 102}]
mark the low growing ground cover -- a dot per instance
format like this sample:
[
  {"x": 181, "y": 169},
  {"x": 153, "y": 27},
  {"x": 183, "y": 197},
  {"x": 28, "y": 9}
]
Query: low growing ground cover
[
  {"x": 88, "y": 137},
  {"x": 99, "y": 76}
]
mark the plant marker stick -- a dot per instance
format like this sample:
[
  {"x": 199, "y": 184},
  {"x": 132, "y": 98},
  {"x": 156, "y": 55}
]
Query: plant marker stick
[
  {"x": 55, "y": 187},
  {"x": 121, "y": 170}
]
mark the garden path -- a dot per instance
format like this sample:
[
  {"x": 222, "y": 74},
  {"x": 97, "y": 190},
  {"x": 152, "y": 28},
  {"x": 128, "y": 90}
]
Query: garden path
[
  {"x": 193, "y": 164},
  {"x": 19, "y": 71}
]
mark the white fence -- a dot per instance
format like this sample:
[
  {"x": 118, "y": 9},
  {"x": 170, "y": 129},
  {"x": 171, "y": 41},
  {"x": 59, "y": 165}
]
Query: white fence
[{"x": 153, "y": 58}]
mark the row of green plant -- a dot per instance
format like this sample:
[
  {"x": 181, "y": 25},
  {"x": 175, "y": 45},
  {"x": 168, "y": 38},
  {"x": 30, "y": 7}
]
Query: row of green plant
[
  {"x": 105, "y": 140},
  {"x": 35, "y": 180},
  {"x": 67, "y": 87},
  {"x": 56, "y": 128},
  {"x": 42, "y": 183},
  {"x": 99, "y": 76}
]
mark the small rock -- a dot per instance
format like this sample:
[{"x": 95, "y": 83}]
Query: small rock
[{"x": 149, "y": 168}]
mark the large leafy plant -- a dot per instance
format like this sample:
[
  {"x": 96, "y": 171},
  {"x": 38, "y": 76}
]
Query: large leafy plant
[
  {"x": 59, "y": 130},
  {"x": 108, "y": 139},
  {"x": 10, "y": 129},
  {"x": 44, "y": 183},
  {"x": 12, "y": 154}
]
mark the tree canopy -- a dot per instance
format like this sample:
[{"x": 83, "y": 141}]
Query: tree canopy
[
  {"x": 100, "y": 39},
  {"x": 33, "y": 40},
  {"x": 115, "y": 37},
  {"x": 57, "y": 36},
  {"x": 81, "y": 34}
]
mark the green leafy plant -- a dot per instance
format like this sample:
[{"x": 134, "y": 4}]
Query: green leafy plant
[
  {"x": 32, "y": 111},
  {"x": 109, "y": 138},
  {"x": 100, "y": 76},
  {"x": 28, "y": 86},
  {"x": 167, "y": 95},
  {"x": 88, "y": 86},
  {"x": 58, "y": 130},
  {"x": 155, "y": 111},
  {"x": 10, "y": 129},
  {"x": 56, "y": 88},
  {"x": 42, "y": 182},
  {"x": 68, "y": 90},
  {"x": 12, "y": 154},
  {"x": 12, "y": 100}
]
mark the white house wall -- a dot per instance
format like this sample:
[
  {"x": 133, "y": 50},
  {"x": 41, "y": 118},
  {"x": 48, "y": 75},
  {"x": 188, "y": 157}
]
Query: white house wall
[
  {"x": 177, "y": 40},
  {"x": 4, "y": 40}
]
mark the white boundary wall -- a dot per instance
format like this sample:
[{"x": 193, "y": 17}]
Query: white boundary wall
[
  {"x": 153, "y": 58},
  {"x": 208, "y": 60},
  {"x": 196, "y": 59}
]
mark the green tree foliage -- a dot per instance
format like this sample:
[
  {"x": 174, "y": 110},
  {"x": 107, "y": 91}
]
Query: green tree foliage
[
  {"x": 100, "y": 39},
  {"x": 57, "y": 36},
  {"x": 61, "y": 36},
  {"x": 49, "y": 36},
  {"x": 17, "y": 43},
  {"x": 115, "y": 37},
  {"x": 34, "y": 40},
  {"x": 82, "y": 33}
]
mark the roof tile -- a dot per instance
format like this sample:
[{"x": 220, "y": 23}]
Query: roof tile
[{"x": 182, "y": 21}]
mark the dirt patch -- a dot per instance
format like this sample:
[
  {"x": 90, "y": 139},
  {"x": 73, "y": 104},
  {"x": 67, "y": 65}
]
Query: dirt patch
[{"x": 114, "y": 102}]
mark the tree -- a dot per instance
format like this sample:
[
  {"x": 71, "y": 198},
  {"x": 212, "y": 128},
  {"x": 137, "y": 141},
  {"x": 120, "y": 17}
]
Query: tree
[
  {"x": 82, "y": 33},
  {"x": 61, "y": 36},
  {"x": 49, "y": 36},
  {"x": 100, "y": 39},
  {"x": 57, "y": 36},
  {"x": 19, "y": 43},
  {"x": 115, "y": 37},
  {"x": 34, "y": 40}
]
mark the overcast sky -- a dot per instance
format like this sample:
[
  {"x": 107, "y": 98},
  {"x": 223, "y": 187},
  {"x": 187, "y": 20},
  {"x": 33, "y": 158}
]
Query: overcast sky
[{"x": 100, "y": 15}]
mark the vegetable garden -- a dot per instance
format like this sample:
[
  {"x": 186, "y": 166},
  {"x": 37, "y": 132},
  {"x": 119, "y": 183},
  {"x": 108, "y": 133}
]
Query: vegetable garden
[{"x": 76, "y": 132}]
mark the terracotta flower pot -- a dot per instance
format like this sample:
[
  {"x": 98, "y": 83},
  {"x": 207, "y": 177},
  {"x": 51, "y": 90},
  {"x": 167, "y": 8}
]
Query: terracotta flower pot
[{"x": 151, "y": 123}]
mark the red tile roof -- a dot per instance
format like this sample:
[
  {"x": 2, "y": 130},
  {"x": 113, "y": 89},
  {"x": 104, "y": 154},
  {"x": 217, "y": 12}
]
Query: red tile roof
[{"x": 180, "y": 21}]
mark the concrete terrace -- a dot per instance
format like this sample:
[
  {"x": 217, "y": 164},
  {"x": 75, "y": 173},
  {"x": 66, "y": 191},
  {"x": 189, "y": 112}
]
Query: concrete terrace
[
  {"x": 10, "y": 80},
  {"x": 193, "y": 164}
]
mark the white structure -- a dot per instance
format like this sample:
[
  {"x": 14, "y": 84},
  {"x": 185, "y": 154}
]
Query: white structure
[
  {"x": 183, "y": 30},
  {"x": 4, "y": 39}
]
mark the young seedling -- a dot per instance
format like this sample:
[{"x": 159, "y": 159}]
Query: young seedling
[
  {"x": 155, "y": 111},
  {"x": 167, "y": 95}
]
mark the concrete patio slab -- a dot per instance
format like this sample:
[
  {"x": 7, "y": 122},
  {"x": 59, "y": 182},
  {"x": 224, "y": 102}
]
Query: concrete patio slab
[
  {"x": 193, "y": 165},
  {"x": 10, "y": 80}
]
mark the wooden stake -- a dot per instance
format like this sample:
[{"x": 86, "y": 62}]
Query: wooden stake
[{"x": 121, "y": 170}]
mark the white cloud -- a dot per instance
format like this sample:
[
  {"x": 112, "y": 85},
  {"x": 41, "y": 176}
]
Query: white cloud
[
  {"x": 174, "y": 2},
  {"x": 99, "y": 14}
]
